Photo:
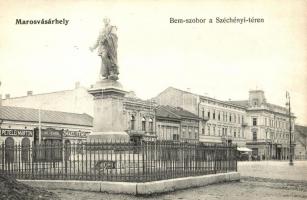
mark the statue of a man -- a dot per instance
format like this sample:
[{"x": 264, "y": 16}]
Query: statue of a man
[{"x": 107, "y": 50}]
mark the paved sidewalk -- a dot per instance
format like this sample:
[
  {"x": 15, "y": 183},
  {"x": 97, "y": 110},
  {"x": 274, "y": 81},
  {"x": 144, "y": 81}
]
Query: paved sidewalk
[
  {"x": 274, "y": 170},
  {"x": 273, "y": 180}
]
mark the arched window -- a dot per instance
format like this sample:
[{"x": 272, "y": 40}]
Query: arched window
[
  {"x": 132, "y": 122},
  {"x": 150, "y": 124},
  {"x": 9, "y": 150},
  {"x": 67, "y": 149},
  {"x": 25, "y": 149},
  {"x": 143, "y": 124}
]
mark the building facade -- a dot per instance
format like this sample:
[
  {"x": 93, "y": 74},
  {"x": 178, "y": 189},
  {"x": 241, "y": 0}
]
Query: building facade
[
  {"x": 176, "y": 124},
  {"x": 267, "y": 130},
  {"x": 221, "y": 122},
  {"x": 140, "y": 119},
  {"x": 22, "y": 126},
  {"x": 254, "y": 123}
]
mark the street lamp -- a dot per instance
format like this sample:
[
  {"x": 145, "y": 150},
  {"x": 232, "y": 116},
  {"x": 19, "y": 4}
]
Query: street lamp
[{"x": 290, "y": 127}]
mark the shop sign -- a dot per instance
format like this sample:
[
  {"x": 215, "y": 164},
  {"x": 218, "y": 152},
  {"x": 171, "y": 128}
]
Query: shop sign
[
  {"x": 16, "y": 132},
  {"x": 80, "y": 134},
  {"x": 51, "y": 133}
]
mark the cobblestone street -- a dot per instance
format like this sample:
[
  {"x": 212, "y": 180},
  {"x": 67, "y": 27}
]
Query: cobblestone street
[{"x": 260, "y": 180}]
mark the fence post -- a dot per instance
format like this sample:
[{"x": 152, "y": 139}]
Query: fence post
[
  {"x": 214, "y": 157},
  {"x": 236, "y": 157},
  {"x": 33, "y": 159},
  {"x": 65, "y": 152},
  {"x": 3, "y": 153}
]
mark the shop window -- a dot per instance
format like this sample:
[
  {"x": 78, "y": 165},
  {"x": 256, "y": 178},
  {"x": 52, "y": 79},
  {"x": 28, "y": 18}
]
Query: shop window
[
  {"x": 67, "y": 149},
  {"x": 25, "y": 149},
  {"x": 9, "y": 150}
]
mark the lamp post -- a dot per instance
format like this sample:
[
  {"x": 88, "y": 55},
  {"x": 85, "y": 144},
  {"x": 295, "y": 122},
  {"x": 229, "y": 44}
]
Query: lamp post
[
  {"x": 290, "y": 128},
  {"x": 39, "y": 126}
]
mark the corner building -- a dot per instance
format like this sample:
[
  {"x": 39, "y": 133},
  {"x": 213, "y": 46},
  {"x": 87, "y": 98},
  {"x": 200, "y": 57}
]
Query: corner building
[
  {"x": 222, "y": 122},
  {"x": 267, "y": 131}
]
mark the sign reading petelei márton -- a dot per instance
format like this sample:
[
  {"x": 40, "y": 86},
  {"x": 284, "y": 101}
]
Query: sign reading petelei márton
[{"x": 42, "y": 21}]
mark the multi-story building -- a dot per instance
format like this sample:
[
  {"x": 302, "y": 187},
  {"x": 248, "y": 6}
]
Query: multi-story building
[
  {"x": 267, "y": 130},
  {"x": 138, "y": 114},
  {"x": 254, "y": 123},
  {"x": 222, "y": 121}
]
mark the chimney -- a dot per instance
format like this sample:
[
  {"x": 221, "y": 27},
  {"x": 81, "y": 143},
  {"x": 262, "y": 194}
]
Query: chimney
[
  {"x": 29, "y": 93},
  {"x": 77, "y": 85},
  {"x": 7, "y": 96}
]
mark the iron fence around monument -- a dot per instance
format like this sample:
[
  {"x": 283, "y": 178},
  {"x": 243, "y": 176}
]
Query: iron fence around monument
[{"x": 112, "y": 161}]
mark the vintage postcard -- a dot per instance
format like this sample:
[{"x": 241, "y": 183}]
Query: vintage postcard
[{"x": 153, "y": 99}]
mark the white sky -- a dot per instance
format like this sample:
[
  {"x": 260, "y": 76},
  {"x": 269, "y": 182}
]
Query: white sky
[{"x": 222, "y": 60}]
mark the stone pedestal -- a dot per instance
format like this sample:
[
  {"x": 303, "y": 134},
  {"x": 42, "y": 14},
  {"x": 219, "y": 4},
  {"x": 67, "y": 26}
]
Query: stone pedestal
[{"x": 108, "y": 123}]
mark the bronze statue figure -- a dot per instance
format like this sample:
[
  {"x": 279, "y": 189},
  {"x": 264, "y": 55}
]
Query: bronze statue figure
[{"x": 107, "y": 50}]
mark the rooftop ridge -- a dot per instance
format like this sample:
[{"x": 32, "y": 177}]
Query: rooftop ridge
[{"x": 45, "y": 93}]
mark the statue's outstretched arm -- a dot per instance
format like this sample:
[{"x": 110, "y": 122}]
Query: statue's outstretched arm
[{"x": 96, "y": 44}]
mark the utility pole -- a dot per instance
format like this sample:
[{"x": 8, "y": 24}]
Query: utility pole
[
  {"x": 39, "y": 126},
  {"x": 290, "y": 129}
]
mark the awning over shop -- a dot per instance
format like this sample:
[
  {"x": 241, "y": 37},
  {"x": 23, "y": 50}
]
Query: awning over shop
[{"x": 244, "y": 149}]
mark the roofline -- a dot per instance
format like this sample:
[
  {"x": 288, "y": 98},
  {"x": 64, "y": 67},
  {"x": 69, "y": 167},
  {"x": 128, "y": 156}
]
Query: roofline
[
  {"x": 169, "y": 119},
  {"x": 36, "y": 109},
  {"x": 44, "y": 93},
  {"x": 162, "y": 107},
  {"x": 305, "y": 126},
  {"x": 263, "y": 109},
  {"x": 45, "y": 122},
  {"x": 206, "y": 97},
  {"x": 185, "y": 117}
]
